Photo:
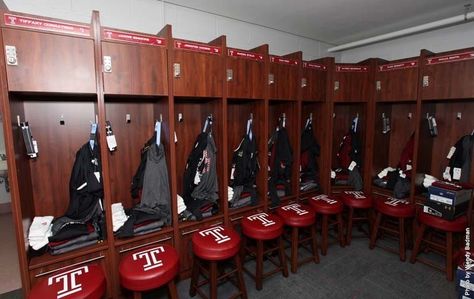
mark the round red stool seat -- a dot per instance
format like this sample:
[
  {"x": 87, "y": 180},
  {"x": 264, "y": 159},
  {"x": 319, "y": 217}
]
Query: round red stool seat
[
  {"x": 262, "y": 226},
  {"x": 149, "y": 268},
  {"x": 323, "y": 204},
  {"x": 457, "y": 225},
  {"x": 356, "y": 199},
  {"x": 86, "y": 281},
  {"x": 297, "y": 215},
  {"x": 398, "y": 208},
  {"x": 216, "y": 243}
]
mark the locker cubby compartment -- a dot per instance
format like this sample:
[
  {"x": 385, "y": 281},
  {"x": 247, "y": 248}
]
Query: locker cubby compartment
[
  {"x": 134, "y": 68},
  {"x": 433, "y": 151},
  {"x": 48, "y": 62},
  {"x": 448, "y": 75},
  {"x": 190, "y": 116},
  {"x": 389, "y": 145},
  {"x": 317, "y": 111},
  {"x": 343, "y": 115},
  {"x": 396, "y": 80},
  {"x": 284, "y": 76},
  {"x": 61, "y": 125},
  {"x": 314, "y": 79},
  {"x": 351, "y": 82},
  {"x": 276, "y": 110},
  {"x": 238, "y": 113},
  {"x": 246, "y": 73},
  {"x": 133, "y": 123},
  {"x": 198, "y": 68}
]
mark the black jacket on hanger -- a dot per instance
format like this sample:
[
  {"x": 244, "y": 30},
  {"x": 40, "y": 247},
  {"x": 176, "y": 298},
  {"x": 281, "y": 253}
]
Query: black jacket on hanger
[
  {"x": 462, "y": 157},
  {"x": 310, "y": 149},
  {"x": 281, "y": 160}
]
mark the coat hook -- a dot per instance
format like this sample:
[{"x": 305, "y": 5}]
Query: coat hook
[
  {"x": 459, "y": 115},
  {"x": 410, "y": 115},
  {"x": 180, "y": 117},
  {"x": 18, "y": 120},
  {"x": 61, "y": 120},
  {"x": 128, "y": 118}
]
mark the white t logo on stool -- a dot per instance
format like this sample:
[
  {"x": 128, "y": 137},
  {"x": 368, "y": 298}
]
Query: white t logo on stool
[
  {"x": 69, "y": 281},
  {"x": 356, "y": 194},
  {"x": 151, "y": 256},
  {"x": 394, "y": 202},
  {"x": 325, "y": 198},
  {"x": 262, "y": 217},
  {"x": 295, "y": 207},
  {"x": 215, "y": 232}
]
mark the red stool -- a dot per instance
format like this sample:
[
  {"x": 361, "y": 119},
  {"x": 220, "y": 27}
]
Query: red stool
[
  {"x": 357, "y": 201},
  {"x": 262, "y": 228},
  {"x": 299, "y": 217},
  {"x": 327, "y": 207},
  {"x": 399, "y": 209},
  {"x": 215, "y": 244},
  {"x": 449, "y": 228},
  {"x": 150, "y": 268},
  {"x": 83, "y": 282}
]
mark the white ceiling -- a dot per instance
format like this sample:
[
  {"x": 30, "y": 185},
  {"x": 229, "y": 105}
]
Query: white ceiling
[{"x": 333, "y": 21}]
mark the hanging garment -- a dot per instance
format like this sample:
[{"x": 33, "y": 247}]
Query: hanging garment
[
  {"x": 86, "y": 192},
  {"x": 310, "y": 150},
  {"x": 155, "y": 202},
  {"x": 280, "y": 162},
  {"x": 200, "y": 177},
  {"x": 137, "y": 181},
  {"x": 461, "y": 159},
  {"x": 350, "y": 151},
  {"x": 244, "y": 172},
  {"x": 406, "y": 156}
]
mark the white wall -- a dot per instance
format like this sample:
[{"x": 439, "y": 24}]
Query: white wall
[
  {"x": 149, "y": 16},
  {"x": 445, "y": 39}
]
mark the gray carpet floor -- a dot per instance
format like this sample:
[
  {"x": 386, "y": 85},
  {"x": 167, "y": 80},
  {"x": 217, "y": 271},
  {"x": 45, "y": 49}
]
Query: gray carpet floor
[{"x": 350, "y": 272}]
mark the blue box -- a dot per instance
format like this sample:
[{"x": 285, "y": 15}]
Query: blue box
[{"x": 449, "y": 197}]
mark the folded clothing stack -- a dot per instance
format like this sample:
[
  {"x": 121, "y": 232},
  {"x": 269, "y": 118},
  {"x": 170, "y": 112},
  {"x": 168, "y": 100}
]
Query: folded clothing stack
[
  {"x": 241, "y": 196},
  {"x": 309, "y": 184},
  {"x": 39, "y": 232},
  {"x": 118, "y": 216},
  {"x": 140, "y": 223},
  {"x": 72, "y": 237}
]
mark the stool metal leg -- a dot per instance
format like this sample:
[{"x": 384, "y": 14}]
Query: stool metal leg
[
  {"x": 419, "y": 238},
  {"x": 314, "y": 244},
  {"x": 401, "y": 228},
  {"x": 240, "y": 277},
  {"x": 172, "y": 290},
  {"x": 449, "y": 255},
  {"x": 213, "y": 279},
  {"x": 349, "y": 226},
  {"x": 375, "y": 230},
  {"x": 137, "y": 295},
  {"x": 294, "y": 249},
  {"x": 340, "y": 230},
  {"x": 259, "y": 268}
]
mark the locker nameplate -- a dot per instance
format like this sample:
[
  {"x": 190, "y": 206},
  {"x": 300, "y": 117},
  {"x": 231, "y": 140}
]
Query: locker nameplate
[
  {"x": 281, "y": 60},
  {"x": 351, "y": 68},
  {"x": 398, "y": 66},
  {"x": 244, "y": 54},
  {"x": 133, "y": 38},
  {"x": 197, "y": 47},
  {"x": 450, "y": 58},
  {"x": 315, "y": 66}
]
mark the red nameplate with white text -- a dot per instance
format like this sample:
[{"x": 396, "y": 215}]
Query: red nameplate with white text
[
  {"x": 133, "y": 38},
  {"x": 46, "y": 25},
  {"x": 398, "y": 66},
  {"x": 244, "y": 54},
  {"x": 315, "y": 66},
  {"x": 281, "y": 60},
  {"x": 197, "y": 47},
  {"x": 450, "y": 58},
  {"x": 351, "y": 68}
]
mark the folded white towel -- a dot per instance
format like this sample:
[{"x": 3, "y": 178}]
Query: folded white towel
[
  {"x": 40, "y": 231},
  {"x": 181, "y": 204},
  {"x": 118, "y": 216},
  {"x": 230, "y": 193},
  {"x": 429, "y": 180}
]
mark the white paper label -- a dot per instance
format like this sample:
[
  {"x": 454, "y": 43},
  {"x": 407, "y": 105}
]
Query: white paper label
[
  {"x": 402, "y": 175},
  {"x": 456, "y": 173},
  {"x": 111, "y": 142},
  {"x": 352, "y": 165},
  {"x": 97, "y": 175},
  {"x": 451, "y": 152},
  {"x": 409, "y": 167},
  {"x": 383, "y": 173},
  {"x": 333, "y": 174},
  {"x": 446, "y": 174},
  {"x": 197, "y": 179}
]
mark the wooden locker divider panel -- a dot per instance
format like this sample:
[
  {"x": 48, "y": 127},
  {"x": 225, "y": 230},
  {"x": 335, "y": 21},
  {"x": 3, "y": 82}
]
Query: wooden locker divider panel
[
  {"x": 275, "y": 110},
  {"x": 201, "y": 70},
  {"x": 136, "y": 69},
  {"x": 285, "y": 74},
  {"x": 449, "y": 75},
  {"x": 344, "y": 113},
  {"x": 397, "y": 80},
  {"x": 248, "y": 74},
  {"x": 315, "y": 75},
  {"x": 194, "y": 113},
  {"x": 58, "y": 144},
  {"x": 130, "y": 137},
  {"x": 353, "y": 81},
  {"x": 50, "y": 63},
  {"x": 317, "y": 110},
  {"x": 238, "y": 112}
]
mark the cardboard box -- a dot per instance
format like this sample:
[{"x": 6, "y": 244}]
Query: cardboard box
[
  {"x": 449, "y": 197},
  {"x": 445, "y": 211}
]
